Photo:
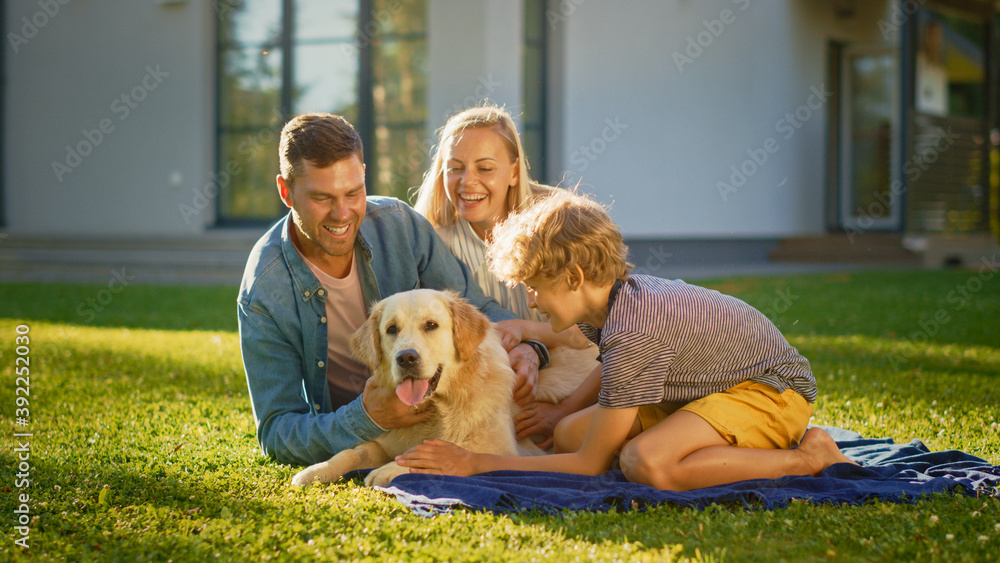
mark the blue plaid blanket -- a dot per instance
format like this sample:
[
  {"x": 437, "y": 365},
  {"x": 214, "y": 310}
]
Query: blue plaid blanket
[{"x": 888, "y": 471}]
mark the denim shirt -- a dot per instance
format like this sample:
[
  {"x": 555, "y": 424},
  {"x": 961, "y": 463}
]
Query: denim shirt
[{"x": 283, "y": 330}]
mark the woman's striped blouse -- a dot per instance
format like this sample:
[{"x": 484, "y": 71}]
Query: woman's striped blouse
[{"x": 469, "y": 248}]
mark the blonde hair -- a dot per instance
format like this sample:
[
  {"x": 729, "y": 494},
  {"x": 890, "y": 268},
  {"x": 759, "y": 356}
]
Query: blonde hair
[
  {"x": 554, "y": 234},
  {"x": 432, "y": 200}
]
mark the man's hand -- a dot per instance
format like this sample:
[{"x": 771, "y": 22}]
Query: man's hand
[
  {"x": 524, "y": 361},
  {"x": 387, "y": 410},
  {"x": 538, "y": 419},
  {"x": 440, "y": 457}
]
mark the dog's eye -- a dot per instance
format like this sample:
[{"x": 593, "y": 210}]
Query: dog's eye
[
  {"x": 391, "y": 329},
  {"x": 431, "y": 325}
]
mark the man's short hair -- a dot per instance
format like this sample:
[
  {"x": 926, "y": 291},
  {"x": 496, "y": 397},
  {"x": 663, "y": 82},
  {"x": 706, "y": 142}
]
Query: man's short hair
[
  {"x": 555, "y": 233},
  {"x": 320, "y": 139}
]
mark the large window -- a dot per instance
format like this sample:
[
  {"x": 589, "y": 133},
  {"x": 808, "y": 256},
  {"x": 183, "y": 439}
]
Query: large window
[
  {"x": 948, "y": 160},
  {"x": 398, "y": 121},
  {"x": 364, "y": 60}
]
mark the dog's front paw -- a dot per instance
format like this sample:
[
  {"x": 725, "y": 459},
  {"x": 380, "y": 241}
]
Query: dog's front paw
[
  {"x": 380, "y": 477},
  {"x": 308, "y": 476}
]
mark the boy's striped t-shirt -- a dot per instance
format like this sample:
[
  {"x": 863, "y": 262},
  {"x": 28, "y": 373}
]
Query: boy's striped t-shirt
[{"x": 668, "y": 341}]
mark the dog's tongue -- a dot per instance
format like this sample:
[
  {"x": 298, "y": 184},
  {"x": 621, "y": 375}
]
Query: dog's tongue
[{"x": 411, "y": 391}]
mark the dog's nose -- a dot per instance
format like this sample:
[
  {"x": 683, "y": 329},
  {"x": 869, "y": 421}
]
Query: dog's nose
[{"x": 407, "y": 358}]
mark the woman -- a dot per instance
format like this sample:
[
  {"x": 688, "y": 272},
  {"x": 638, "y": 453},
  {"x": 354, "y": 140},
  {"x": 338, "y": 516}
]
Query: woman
[{"x": 478, "y": 175}]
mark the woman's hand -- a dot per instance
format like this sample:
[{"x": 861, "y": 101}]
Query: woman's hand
[{"x": 440, "y": 458}]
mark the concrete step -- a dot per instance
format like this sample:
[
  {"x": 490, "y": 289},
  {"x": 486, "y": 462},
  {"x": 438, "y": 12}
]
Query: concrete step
[
  {"x": 865, "y": 248},
  {"x": 212, "y": 259}
]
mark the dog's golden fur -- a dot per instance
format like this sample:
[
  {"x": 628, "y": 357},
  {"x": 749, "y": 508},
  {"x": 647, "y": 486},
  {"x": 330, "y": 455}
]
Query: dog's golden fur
[{"x": 425, "y": 334}]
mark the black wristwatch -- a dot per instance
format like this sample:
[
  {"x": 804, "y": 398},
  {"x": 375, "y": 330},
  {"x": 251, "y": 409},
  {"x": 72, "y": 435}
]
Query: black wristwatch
[{"x": 541, "y": 350}]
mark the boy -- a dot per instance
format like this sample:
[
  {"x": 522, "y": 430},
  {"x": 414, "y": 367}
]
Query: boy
[{"x": 687, "y": 373}]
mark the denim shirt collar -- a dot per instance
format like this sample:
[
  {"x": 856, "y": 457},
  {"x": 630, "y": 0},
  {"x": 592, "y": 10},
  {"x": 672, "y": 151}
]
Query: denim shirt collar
[{"x": 305, "y": 282}]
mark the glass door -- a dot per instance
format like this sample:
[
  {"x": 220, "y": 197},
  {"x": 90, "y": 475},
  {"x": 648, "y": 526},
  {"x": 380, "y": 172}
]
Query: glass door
[{"x": 870, "y": 140}]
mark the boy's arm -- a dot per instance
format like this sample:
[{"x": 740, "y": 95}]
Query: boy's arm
[
  {"x": 542, "y": 332},
  {"x": 608, "y": 431}
]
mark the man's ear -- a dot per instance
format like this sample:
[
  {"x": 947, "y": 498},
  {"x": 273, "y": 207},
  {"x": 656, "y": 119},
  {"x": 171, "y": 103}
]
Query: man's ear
[
  {"x": 366, "y": 342},
  {"x": 284, "y": 192}
]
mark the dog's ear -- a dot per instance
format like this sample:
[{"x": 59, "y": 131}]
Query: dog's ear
[
  {"x": 469, "y": 326},
  {"x": 366, "y": 342}
]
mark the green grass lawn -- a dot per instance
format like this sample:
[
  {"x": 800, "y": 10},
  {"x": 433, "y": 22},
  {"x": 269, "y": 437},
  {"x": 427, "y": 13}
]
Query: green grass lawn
[{"x": 143, "y": 445}]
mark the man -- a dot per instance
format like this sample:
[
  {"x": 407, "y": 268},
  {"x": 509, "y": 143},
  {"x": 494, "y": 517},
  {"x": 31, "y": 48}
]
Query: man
[{"x": 309, "y": 284}]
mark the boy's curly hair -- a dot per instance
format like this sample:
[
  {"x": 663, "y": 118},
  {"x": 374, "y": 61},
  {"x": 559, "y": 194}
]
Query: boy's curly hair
[{"x": 555, "y": 233}]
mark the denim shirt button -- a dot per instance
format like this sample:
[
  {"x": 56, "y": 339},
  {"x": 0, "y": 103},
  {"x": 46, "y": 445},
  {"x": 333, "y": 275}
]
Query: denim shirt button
[
  {"x": 322, "y": 320},
  {"x": 320, "y": 292},
  {"x": 305, "y": 294},
  {"x": 316, "y": 406},
  {"x": 320, "y": 364}
]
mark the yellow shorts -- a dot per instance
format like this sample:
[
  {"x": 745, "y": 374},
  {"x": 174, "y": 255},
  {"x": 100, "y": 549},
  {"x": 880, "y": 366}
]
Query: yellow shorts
[{"x": 749, "y": 415}]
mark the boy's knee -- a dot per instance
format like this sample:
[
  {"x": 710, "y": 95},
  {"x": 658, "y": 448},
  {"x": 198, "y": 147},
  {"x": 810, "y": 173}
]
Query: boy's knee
[
  {"x": 634, "y": 466},
  {"x": 639, "y": 467}
]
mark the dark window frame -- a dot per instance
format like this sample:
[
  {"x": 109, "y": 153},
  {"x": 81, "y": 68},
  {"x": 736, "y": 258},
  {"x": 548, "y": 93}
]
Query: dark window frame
[
  {"x": 538, "y": 124},
  {"x": 3, "y": 121},
  {"x": 364, "y": 122}
]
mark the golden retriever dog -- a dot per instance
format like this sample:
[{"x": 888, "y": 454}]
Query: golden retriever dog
[{"x": 433, "y": 346}]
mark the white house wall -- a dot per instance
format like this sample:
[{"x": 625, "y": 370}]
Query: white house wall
[
  {"x": 473, "y": 54},
  {"x": 138, "y": 157},
  {"x": 663, "y": 99},
  {"x": 636, "y": 122}
]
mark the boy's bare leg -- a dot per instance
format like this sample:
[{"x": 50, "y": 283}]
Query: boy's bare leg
[
  {"x": 570, "y": 431},
  {"x": 684, "y": 452}
]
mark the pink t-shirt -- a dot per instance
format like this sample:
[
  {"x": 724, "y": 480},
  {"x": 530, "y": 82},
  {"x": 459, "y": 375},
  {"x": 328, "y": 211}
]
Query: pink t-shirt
[{"x": 345, "y": 313}]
